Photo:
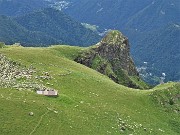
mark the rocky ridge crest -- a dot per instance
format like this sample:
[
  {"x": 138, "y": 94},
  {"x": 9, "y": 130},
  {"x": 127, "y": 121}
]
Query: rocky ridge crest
[{"x": 111, "y": 56}]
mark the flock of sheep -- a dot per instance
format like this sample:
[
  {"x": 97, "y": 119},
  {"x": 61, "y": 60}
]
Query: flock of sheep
[{"x": 12, "y": 75}]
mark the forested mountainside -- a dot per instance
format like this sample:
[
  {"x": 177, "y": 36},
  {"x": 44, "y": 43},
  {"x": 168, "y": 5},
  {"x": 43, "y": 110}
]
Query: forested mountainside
[
  {"x": 21, "y": 7},
  {"x": 137, "y": 19},
  {"x": 119, "y": 14},
  {"x": 11, "y": 32},
  {"x": 160, "y": 49},
  {"x": 59, "y": 26},
  {"x": 45, "y": 27}
]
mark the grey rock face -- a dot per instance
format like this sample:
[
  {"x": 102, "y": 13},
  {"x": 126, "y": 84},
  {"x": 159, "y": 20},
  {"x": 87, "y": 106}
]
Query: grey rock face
[
  {"x": 115, "y": 48},
  {"x": 111, "y": 56}
]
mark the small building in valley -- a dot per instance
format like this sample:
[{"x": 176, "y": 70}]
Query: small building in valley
[{"x": 51, "y": 93}]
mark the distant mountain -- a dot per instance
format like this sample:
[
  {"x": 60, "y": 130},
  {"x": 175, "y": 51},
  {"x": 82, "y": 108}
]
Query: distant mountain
[
  {"x": 157, "y": 14},
  {"x": 12, "y": 32},
  {"x": 59, "y": 26},
  {"x": 161, "y": 49},
  {"x": 106, "y": 13},
  {"x": 117, "y": 14},
  {"x": 145, "y": 23},
  {"x": 20, "y": 7},
  {"x": 46, "y": 27}
]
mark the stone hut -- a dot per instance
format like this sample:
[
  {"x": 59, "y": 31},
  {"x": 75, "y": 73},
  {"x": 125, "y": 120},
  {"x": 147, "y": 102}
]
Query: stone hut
[{"x": 51, "y": 93}]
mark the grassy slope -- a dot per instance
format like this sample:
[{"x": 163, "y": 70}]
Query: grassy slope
[{"x": 89, "y": 103}]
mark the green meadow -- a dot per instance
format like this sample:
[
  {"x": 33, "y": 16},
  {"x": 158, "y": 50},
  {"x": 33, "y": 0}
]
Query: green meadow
[{"x": 89, "y": 103}]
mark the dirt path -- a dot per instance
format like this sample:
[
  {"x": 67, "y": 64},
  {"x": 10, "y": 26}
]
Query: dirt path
[{"x": 39, "y": 122}]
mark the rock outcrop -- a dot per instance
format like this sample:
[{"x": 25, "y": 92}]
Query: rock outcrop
[{"x": 111, "y": 56}]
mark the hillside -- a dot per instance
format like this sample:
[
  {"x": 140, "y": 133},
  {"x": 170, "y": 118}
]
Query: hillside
[
  {"x": 59, "y": 26},
  {"x": 158, "y": 14},
  {"x": 140, "y": 15},
  {"x": 111, "y": 57},
  {"x": 161, "y": 50},
  {"x": 21, "y": 7},
  {"x": 11, "y": 32},
  {"x": 115, "y": 14},
  {"x": 43, "y": 28},
  {"x": 142, "y": 22},
  {"x": 88, "y": 103}
]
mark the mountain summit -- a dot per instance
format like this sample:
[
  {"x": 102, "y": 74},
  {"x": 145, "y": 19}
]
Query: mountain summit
[
  {"x": 115, "y": 48},
  {"x": 114, "y": 37},
  {"x": 111, "y": 56}
]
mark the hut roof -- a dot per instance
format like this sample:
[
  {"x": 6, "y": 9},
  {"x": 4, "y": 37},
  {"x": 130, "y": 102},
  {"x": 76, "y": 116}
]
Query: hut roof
[{"x": 48, "y": 92}]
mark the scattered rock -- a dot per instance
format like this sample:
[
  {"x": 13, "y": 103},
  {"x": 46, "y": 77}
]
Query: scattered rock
[
  {"x": 31, "y": 113},
  {"x": 56, "y": 112},
  {"x": 81, "y": 102},
  {"x": 123, "y": 128}
]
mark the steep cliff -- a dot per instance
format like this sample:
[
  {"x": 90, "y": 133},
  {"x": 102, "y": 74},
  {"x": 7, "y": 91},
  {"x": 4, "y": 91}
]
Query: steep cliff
[{"x": 111, "y": 57}]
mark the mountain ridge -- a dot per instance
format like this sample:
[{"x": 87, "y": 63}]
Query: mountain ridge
[
  {"x": 12, "y": 32},
  {"x": 57, "y": 28},
  {"x": 136, "y": 19},
  {"x": 111, "y": 57}
]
